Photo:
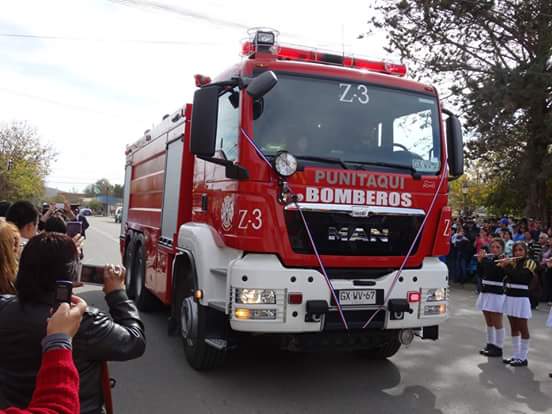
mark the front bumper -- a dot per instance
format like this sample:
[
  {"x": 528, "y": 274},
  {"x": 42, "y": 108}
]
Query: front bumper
[{"x": 258, "y": 271}]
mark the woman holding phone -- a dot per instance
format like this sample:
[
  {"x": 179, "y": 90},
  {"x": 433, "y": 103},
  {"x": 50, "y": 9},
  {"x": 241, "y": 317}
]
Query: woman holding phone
[
  {"x": 117, "y": 335},
  {"x": 519, "y": 271}
]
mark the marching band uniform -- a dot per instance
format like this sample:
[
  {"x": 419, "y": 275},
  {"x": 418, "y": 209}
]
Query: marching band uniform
[
  {"x": 517, "y": 303},
  {"x": 549, "y": 320},
  {"x": 491, "y": 299}
]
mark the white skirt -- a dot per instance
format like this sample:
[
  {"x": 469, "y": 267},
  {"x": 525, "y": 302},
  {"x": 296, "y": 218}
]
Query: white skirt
[
  {"x": 517, "y": 307},
  {"x": 490, "y": 302},
  {"x": 549, "y": 321}
]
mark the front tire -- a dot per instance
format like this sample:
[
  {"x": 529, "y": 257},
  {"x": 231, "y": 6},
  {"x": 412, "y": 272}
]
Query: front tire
[{"x": 193, "y": 319}]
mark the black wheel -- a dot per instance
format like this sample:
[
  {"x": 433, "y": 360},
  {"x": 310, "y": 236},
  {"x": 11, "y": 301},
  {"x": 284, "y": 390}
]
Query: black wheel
[
  {"x": 382, "y": 352},
  {"x": 130, "y": 252},
  {"x": 192, "y": 319},
  {"x": 145, "y": 300}
]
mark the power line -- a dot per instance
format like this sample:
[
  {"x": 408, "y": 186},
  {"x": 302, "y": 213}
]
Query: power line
[
  {"x": 109, "y": 40},
  {"x": 182, "y": 11},
  {"x": 54, "y": 102}
]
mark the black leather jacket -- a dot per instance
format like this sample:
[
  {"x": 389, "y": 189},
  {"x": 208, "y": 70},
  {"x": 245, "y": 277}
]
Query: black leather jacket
[{"x": 101, "y": 337}]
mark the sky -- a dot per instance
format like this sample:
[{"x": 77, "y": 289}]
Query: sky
[{"x": 93, "y": 75}]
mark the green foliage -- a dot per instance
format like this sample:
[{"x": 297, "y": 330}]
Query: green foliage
[
  {"x": 24, "y": 162},
  {"x": 95, "y": 205},
  {"x": 103, "y": 187},
  {"x": 494, "y": 56},
  {"x": 118, "y": 190}
]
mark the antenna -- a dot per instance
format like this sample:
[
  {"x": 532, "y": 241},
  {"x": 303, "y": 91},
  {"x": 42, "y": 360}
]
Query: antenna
[{"x": 343, "y": 38}]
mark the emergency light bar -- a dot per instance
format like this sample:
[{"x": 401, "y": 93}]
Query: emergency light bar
[{"x": 314, "y": 56}]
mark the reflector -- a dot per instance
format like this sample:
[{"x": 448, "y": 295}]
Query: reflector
[
  {"x": 414, "y": 297},
  {"x": 295, "y": 298}
]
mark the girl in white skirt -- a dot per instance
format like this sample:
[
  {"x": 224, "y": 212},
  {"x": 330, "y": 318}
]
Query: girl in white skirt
[
  {"x": 519, "y": 271},
  {"x": 549, "y": 320},
  {"x": 491, "y": 298}
]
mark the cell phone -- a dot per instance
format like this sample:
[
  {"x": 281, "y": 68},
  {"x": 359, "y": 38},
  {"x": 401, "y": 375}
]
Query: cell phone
[
  {"x": 74, "y": 228},
  {"x": 60, "y": 206},
  {"x": 64, "y": 291},
  {"x": 92, "y": 274}
]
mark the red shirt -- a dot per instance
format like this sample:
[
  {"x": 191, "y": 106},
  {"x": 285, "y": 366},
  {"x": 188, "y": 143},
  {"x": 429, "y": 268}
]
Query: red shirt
[{"x": 57, "y": 386}]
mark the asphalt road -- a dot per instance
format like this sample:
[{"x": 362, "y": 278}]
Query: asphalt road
[{"x": 446, "y": 376}]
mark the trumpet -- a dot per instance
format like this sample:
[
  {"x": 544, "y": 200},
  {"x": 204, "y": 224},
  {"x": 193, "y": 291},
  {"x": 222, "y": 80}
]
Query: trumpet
[{"x": 509, "y": 259}]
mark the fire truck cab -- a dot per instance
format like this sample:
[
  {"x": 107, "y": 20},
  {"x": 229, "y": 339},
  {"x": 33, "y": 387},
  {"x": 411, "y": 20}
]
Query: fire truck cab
[{"x": 303, "y": 196}]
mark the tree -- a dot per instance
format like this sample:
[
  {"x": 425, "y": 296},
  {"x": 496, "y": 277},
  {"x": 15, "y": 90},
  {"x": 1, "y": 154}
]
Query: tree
[
  {"x": 24, "y": 162},
  {"x": 118, "y": 191},
  {"x": 495, "y": 57},
  {"x": 104, "y": 187},
  {"x": 100, "y": 187}
]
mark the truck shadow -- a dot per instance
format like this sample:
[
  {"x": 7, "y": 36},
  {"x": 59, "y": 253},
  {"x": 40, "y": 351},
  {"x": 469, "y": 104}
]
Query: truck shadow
[{"x": 331, "y": 381}]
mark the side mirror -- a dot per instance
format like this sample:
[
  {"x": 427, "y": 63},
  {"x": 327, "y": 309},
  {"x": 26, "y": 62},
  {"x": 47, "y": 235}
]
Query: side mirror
[
  {"x": 204, "y": 121},
  {"x": 262, "y": 84},
  {"x": 455, "y": 146}
]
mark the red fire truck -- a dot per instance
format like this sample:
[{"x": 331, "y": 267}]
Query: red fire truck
[{"x": 303, "y": 197}]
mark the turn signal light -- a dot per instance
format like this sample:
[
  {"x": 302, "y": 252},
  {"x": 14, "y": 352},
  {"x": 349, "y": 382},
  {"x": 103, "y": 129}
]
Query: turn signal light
[
  {"x": 295, "y": 298},
  {"x": 243, "y": 313},
  {"x": 414, "y": 297}
]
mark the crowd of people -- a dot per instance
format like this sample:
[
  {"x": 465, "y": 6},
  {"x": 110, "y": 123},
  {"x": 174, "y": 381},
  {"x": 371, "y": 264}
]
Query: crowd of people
[
  {"x": 470, "y": 236},
  {"x": 57, "y": 361},
  {"x": 511, "y": 263}
]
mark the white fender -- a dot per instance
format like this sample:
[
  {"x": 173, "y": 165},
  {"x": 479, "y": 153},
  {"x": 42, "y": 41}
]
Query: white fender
[{"x": 211, "y": 258}]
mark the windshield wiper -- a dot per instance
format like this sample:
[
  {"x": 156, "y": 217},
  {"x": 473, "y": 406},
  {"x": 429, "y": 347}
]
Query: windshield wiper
[
  {"x": 331, "y": 160},
  {"x": 415, "y": 173}
]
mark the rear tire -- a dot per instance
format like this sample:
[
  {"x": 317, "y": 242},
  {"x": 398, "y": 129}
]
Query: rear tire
[
  {"x": 130, "y": 252},
  {"x": 192, "y": 320},
  {"x": 145, "y": 300},
  {"x": 385, "y": 351}
]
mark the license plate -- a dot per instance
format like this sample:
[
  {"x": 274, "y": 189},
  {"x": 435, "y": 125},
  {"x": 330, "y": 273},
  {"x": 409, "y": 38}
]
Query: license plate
[{"x": 357, "y": 297}]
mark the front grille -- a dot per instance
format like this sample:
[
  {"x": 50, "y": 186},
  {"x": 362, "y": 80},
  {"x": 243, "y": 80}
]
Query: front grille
[{"x": 343, "y": 235}]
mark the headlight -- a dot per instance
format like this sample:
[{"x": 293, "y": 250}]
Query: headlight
[
  {"x": 285, "y": 164},
  {"x": 255, "y": 296},
  {"x": 435, "y": 295}
]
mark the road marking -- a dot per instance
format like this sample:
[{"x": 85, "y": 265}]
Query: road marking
[{"x": 103, "y": 233}]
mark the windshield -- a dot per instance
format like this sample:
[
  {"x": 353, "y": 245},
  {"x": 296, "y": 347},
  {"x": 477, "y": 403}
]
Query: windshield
[{"x": 349, "y": 121}]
